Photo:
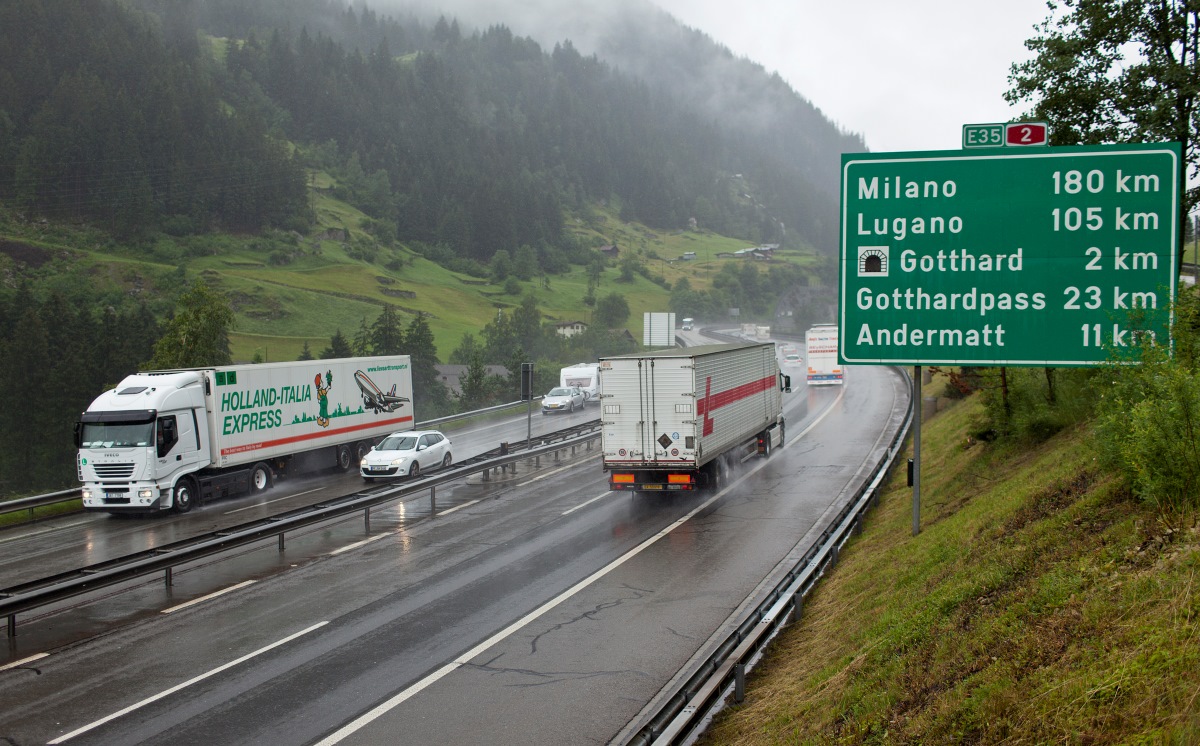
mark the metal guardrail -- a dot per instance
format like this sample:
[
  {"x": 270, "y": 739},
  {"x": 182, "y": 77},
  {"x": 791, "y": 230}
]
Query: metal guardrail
[
  {"x": 62, "y": 496},
  {"x": 692, "y": 703},
  {"x": 37, "y": 593}
]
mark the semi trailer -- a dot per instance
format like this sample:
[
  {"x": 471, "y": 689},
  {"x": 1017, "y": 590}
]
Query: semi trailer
[
  {"x": 680, "y": 419},
  {"x": 167, "y": 440}
]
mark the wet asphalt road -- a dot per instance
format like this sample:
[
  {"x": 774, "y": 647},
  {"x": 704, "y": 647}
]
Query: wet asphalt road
[{"x": 541, "y": 609}]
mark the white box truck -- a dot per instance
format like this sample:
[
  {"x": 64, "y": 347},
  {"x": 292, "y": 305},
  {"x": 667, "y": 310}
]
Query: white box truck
[
  {"x": 585, "y": 376},
  {"x": 821, "y": 348},
  {"x": 165, "y": 440},
  {"x": 679, "y": 419}
]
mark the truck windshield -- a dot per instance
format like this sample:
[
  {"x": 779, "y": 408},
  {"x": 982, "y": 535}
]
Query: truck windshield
[{"x": 117, "y": 435}]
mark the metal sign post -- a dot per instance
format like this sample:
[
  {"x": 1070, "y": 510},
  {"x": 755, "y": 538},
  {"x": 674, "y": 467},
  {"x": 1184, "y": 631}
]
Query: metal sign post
[{"x": 916, "y": 475}]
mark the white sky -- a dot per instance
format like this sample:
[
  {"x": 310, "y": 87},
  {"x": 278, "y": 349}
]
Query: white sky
[{"x": 904, "y": 74}]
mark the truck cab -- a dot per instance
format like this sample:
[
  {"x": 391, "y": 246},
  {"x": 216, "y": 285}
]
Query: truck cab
[{"x": 136, "y": 441}]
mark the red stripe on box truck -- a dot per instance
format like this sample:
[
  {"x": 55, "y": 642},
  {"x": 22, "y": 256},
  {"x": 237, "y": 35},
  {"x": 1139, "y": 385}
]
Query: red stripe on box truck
[
  {"x": 313, "y": 436},
  {"x": 712, "y": 402}
]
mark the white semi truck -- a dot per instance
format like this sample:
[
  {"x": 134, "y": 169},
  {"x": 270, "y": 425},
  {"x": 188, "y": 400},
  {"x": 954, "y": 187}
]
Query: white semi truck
[
  {"x": 821, "y": 352},
  {"x": 585, "y": 376},
  {"x": 679, "y": 419},
  {"x": 166, "y": 440}
]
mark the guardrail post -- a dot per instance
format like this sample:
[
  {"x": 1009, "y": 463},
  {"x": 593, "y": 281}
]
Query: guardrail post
[
  {"x": 12, "y": 625},
  {"x": 797, "y": 606},
  {"x": 367, "y": 519},
  {"x": 432, "y": 499},
  {"x": 487, "y": 475},
  {"x": 281, "y": 543},
  {"x": 739, "y": 683},
  {"x": 167, "y": 576},
  {"x": 537, "y": 462}
]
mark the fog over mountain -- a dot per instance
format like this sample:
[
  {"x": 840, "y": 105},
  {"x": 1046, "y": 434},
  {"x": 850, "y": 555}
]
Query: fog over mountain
[{"x": 640, "y": 39}]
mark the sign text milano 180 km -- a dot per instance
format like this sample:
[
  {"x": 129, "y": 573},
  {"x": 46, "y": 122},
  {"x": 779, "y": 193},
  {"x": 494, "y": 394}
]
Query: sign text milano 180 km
[{"x": 1052, "y": 257}]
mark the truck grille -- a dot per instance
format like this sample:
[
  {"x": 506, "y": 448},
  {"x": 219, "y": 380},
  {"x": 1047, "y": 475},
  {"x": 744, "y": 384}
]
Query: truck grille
[{"x": 113, "y": 471}]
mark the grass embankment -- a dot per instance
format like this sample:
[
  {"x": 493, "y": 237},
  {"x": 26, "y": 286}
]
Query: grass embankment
[{"x": 1039, "y": 604}]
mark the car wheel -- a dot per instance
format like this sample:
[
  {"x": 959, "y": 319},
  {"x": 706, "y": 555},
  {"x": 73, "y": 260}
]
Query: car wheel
[
  {"x": 260, "y": 478},
  {"x": 446, "y": 461},
  {"x": 183, "y": 497},
  {"x": 414, "y": 471}
]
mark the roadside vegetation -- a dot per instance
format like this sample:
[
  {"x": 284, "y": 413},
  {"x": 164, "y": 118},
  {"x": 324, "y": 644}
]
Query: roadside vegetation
[{"x": 1051, "y": 595}]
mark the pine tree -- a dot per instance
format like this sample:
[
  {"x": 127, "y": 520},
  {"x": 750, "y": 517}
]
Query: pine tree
[
  {"x": 387, "y": 338},
  {"x": 338, "y": 347}
]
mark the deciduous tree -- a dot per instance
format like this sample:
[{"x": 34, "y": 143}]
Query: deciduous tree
[{"x": 1107, "y": 71}]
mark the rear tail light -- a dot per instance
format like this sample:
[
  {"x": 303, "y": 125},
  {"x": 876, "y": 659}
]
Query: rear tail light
[
  {"x": 679, "y": 479},
  {"x": 622, "y": 478}
]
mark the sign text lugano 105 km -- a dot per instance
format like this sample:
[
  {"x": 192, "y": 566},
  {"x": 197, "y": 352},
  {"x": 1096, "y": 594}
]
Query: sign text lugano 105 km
[{"x": 1055, "y": 257}]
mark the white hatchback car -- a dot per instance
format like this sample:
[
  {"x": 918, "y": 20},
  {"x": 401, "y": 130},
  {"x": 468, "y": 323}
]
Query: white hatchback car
[
  {"x": 563, "y": 399},
  {"x": 406, "y": 454}
]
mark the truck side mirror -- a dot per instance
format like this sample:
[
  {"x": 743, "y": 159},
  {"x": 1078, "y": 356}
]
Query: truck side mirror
[
  {"x": 78, "y": 434},
  {"x": 787, "y": 384}
]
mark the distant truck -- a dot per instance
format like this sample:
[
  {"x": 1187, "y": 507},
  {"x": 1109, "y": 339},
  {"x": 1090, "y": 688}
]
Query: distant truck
[
  {"x": 762, "y": 333},
  {"x": 585, "y": 376},
  {"x": 166, "y": 440},
  {"x": 821, "y": 347},
  {"x": 679, "y": 419}
]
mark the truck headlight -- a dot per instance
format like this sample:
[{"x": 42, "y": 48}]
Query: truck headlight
[
  {"x": 85, "y": 493},
  {"x": 146, "y": 493}
]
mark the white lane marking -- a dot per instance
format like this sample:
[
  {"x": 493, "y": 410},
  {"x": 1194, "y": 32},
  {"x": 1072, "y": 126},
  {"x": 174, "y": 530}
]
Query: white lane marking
[
  {"x": 358, "y": 544},
  {"x": 459, "y": 507},
  {"x": 23, "y": 661},
  {"x": 201, "y": 599},
  {"x": 367, "y": 718},
  {"x": 817, "y": 421},
  {"x": 268, "y": 502},
  {"x": 189, "y": 682},
  {"x": 556, "y": 471},
  {"x": 582, "y": 505}
]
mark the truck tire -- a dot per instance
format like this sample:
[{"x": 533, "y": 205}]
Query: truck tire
[
  {"x": 260, "y": 478},
  {"x": 184, "y": 495},
  {"x": 361, "y": 450},
  {"x": 766, "y": 439},
  {"x": 345, "y": 458}
]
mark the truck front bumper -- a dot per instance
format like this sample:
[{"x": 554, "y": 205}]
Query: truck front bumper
[{"x": 134, "y": 498}]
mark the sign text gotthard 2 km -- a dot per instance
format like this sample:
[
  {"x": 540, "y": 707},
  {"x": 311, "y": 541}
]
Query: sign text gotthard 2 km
[{"x": 1055, "y": 257}]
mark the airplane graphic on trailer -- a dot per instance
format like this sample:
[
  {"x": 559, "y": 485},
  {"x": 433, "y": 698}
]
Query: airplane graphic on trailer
[{"x": 374, "y": 397}]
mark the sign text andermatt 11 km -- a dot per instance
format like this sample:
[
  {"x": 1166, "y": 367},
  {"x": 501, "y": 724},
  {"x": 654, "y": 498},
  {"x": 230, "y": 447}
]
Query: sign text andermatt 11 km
[{"x": 1055, "y": 257}]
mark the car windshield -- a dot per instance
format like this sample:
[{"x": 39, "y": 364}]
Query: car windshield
[
  {"x": 559, "y": 392},
  {"x": 398, "y": 443},
  {"x": 123, "y": 435}
]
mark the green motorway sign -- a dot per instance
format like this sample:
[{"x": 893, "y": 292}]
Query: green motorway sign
[{"x": 1054, "y": 256}]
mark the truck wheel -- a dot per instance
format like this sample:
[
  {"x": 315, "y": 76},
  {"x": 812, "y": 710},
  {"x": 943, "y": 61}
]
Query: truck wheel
[
  {"x": 260, "y": 478},
  {"x": 183, "y": 497},
  {"x": 345, "y": 458},
  {"x": 361, "y": 450},
  {"x": 766, "y": 436}
]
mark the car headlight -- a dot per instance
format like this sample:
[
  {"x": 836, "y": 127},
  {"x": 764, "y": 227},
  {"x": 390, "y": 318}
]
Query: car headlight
[{"x": 398, "y": 461}]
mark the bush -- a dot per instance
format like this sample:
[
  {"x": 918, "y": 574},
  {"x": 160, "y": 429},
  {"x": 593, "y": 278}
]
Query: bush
[{"x": 1149, "y": 418}]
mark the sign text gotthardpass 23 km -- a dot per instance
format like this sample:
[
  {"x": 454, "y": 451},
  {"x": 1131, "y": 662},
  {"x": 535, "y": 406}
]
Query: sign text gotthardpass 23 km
[{"x": 1050, "y": 257}]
